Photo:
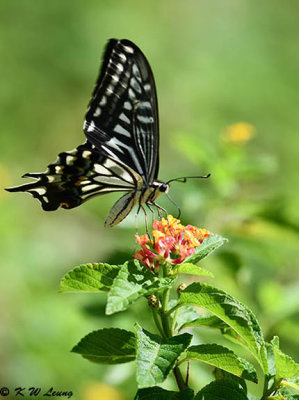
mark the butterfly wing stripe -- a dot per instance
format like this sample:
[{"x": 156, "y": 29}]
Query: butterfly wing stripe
[
  {"x": 141, "y": 130},
  {"x": 122, "y": 172},
  {"x": 117, "y": 149}
]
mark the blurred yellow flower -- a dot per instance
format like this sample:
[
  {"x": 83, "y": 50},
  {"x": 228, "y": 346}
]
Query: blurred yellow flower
[
  {"x": 238, "y": 133},
  {"x": 96, "y": 391}
]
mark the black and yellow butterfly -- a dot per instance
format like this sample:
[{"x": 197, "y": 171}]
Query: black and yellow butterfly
[{"x": 121, "y": 152}]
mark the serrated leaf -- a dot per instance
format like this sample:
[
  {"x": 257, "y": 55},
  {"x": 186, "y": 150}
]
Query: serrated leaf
[
  {"x": 285, "y": 366},
  {"x": 188, "y": 268},
  {"x": 156, "y": 356},
  {"x": 157, "y": 393},
  {"x": 223, "y": 358},
  {"x": 132, "y": 282},
  {"x": 270, "y": 359},
  {"x": 232, "y": 312},
  {"x": 209, "y": 244},
  {"x": 89, "y": 278},
  {"x": 208, "y": 322},
  {"x": 221, "y": 390},
  {"x": 108, "y": 346},
  {"x": 214, "y": 322},
  {"x": 259, "y": 338}
]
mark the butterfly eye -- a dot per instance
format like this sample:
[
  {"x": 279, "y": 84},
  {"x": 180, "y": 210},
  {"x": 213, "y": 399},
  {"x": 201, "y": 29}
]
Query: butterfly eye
[{"x": 163, "y": 187}]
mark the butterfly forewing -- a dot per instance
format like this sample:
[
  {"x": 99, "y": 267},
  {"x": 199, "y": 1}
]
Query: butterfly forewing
[{"x": 122, "y": 117}]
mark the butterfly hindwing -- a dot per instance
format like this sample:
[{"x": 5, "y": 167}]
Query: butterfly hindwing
[
  {"x": 76, "y": 176},
  {"x": 122, "y": 116}
]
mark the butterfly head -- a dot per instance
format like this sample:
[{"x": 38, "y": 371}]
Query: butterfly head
[
  {"x": 153, "y": 192},
  {"x": 164, "y": 187}
]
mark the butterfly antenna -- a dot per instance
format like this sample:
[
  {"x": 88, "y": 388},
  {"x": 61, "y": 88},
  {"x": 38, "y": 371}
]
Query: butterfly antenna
[
  {"x": 183, "y": 179},
  {"x": 175, "y": 204}
]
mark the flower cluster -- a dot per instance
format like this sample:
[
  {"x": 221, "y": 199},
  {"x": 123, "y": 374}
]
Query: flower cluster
[{"x": 171, "y": 242}]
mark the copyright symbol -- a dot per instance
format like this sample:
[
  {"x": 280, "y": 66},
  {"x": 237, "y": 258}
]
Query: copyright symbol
[{"x": 4, "y": 391}]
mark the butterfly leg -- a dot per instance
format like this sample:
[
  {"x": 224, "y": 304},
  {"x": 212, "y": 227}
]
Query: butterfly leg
[
  {"x": 152, "y": 212},
  {"x": 146, "y": 223},
  {"x": 160, "y": 209},
  {"x": 140, "y": 207},
  {"x": 136, "y": 217},
  {"x": 136, "y": 224}
]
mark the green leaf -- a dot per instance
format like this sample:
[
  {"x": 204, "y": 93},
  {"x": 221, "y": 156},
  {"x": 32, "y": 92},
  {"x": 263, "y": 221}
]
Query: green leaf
[
  {"x": 208, "y": 322},
  {"x": 215, "y": 323},
  {"x": 232, "y": 312},
  {"x": 132, "y": 282},
  {"x": 270, "y": 359},
  {"x": 285, "y": 366},
  {"x": 188, "y": 268},
  {"x": 220, "y": 374},
  {"x": 89, "y": 278},
  {"x": 185, "y": 314},
  {"x": 221, "y": 390},
  {"x": 156, "y": 356},
  {"x": 208, "y": 246},
  {"x": 157, "y": 393},
  {"x": 223, "y": 358},
  {"x": 108, "y": 346}
]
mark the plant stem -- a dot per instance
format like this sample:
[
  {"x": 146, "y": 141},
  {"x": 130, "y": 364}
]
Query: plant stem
[
  {"x": 174, "y": 321},
  {"x": 174, "y": 308},
  {"x": 167, "y": 331},
  {"x": 265, "y": 390},
  {"x": 157, "y": 322},
  {"x": 164, "y": 316},
  {"x": 179, "y": 378}
]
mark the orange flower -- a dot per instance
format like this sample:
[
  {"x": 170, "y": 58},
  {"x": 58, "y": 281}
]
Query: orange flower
[{"x": 172, "y": 242}]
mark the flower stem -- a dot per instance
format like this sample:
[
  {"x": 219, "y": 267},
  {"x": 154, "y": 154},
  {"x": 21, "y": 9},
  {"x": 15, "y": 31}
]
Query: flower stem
[
  {"x": 157, "y": 322},
  {"x": 174, "y": 321},
  {"x": 164, "y": 316},
  {"x": 268, "y": 392},
  {"x": 179, "y": 378},
  {"x": 168, "y": 332},
  {"x": 174, "y": 308}
]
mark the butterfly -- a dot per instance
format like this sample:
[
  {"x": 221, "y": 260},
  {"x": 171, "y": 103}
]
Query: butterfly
[{"x": 121, "y": 153}]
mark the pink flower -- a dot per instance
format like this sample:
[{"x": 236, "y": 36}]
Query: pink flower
[{"x": 172, "y": 242}]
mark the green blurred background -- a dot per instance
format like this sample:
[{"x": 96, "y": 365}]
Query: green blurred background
[{"x": 228, "y": 85}]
